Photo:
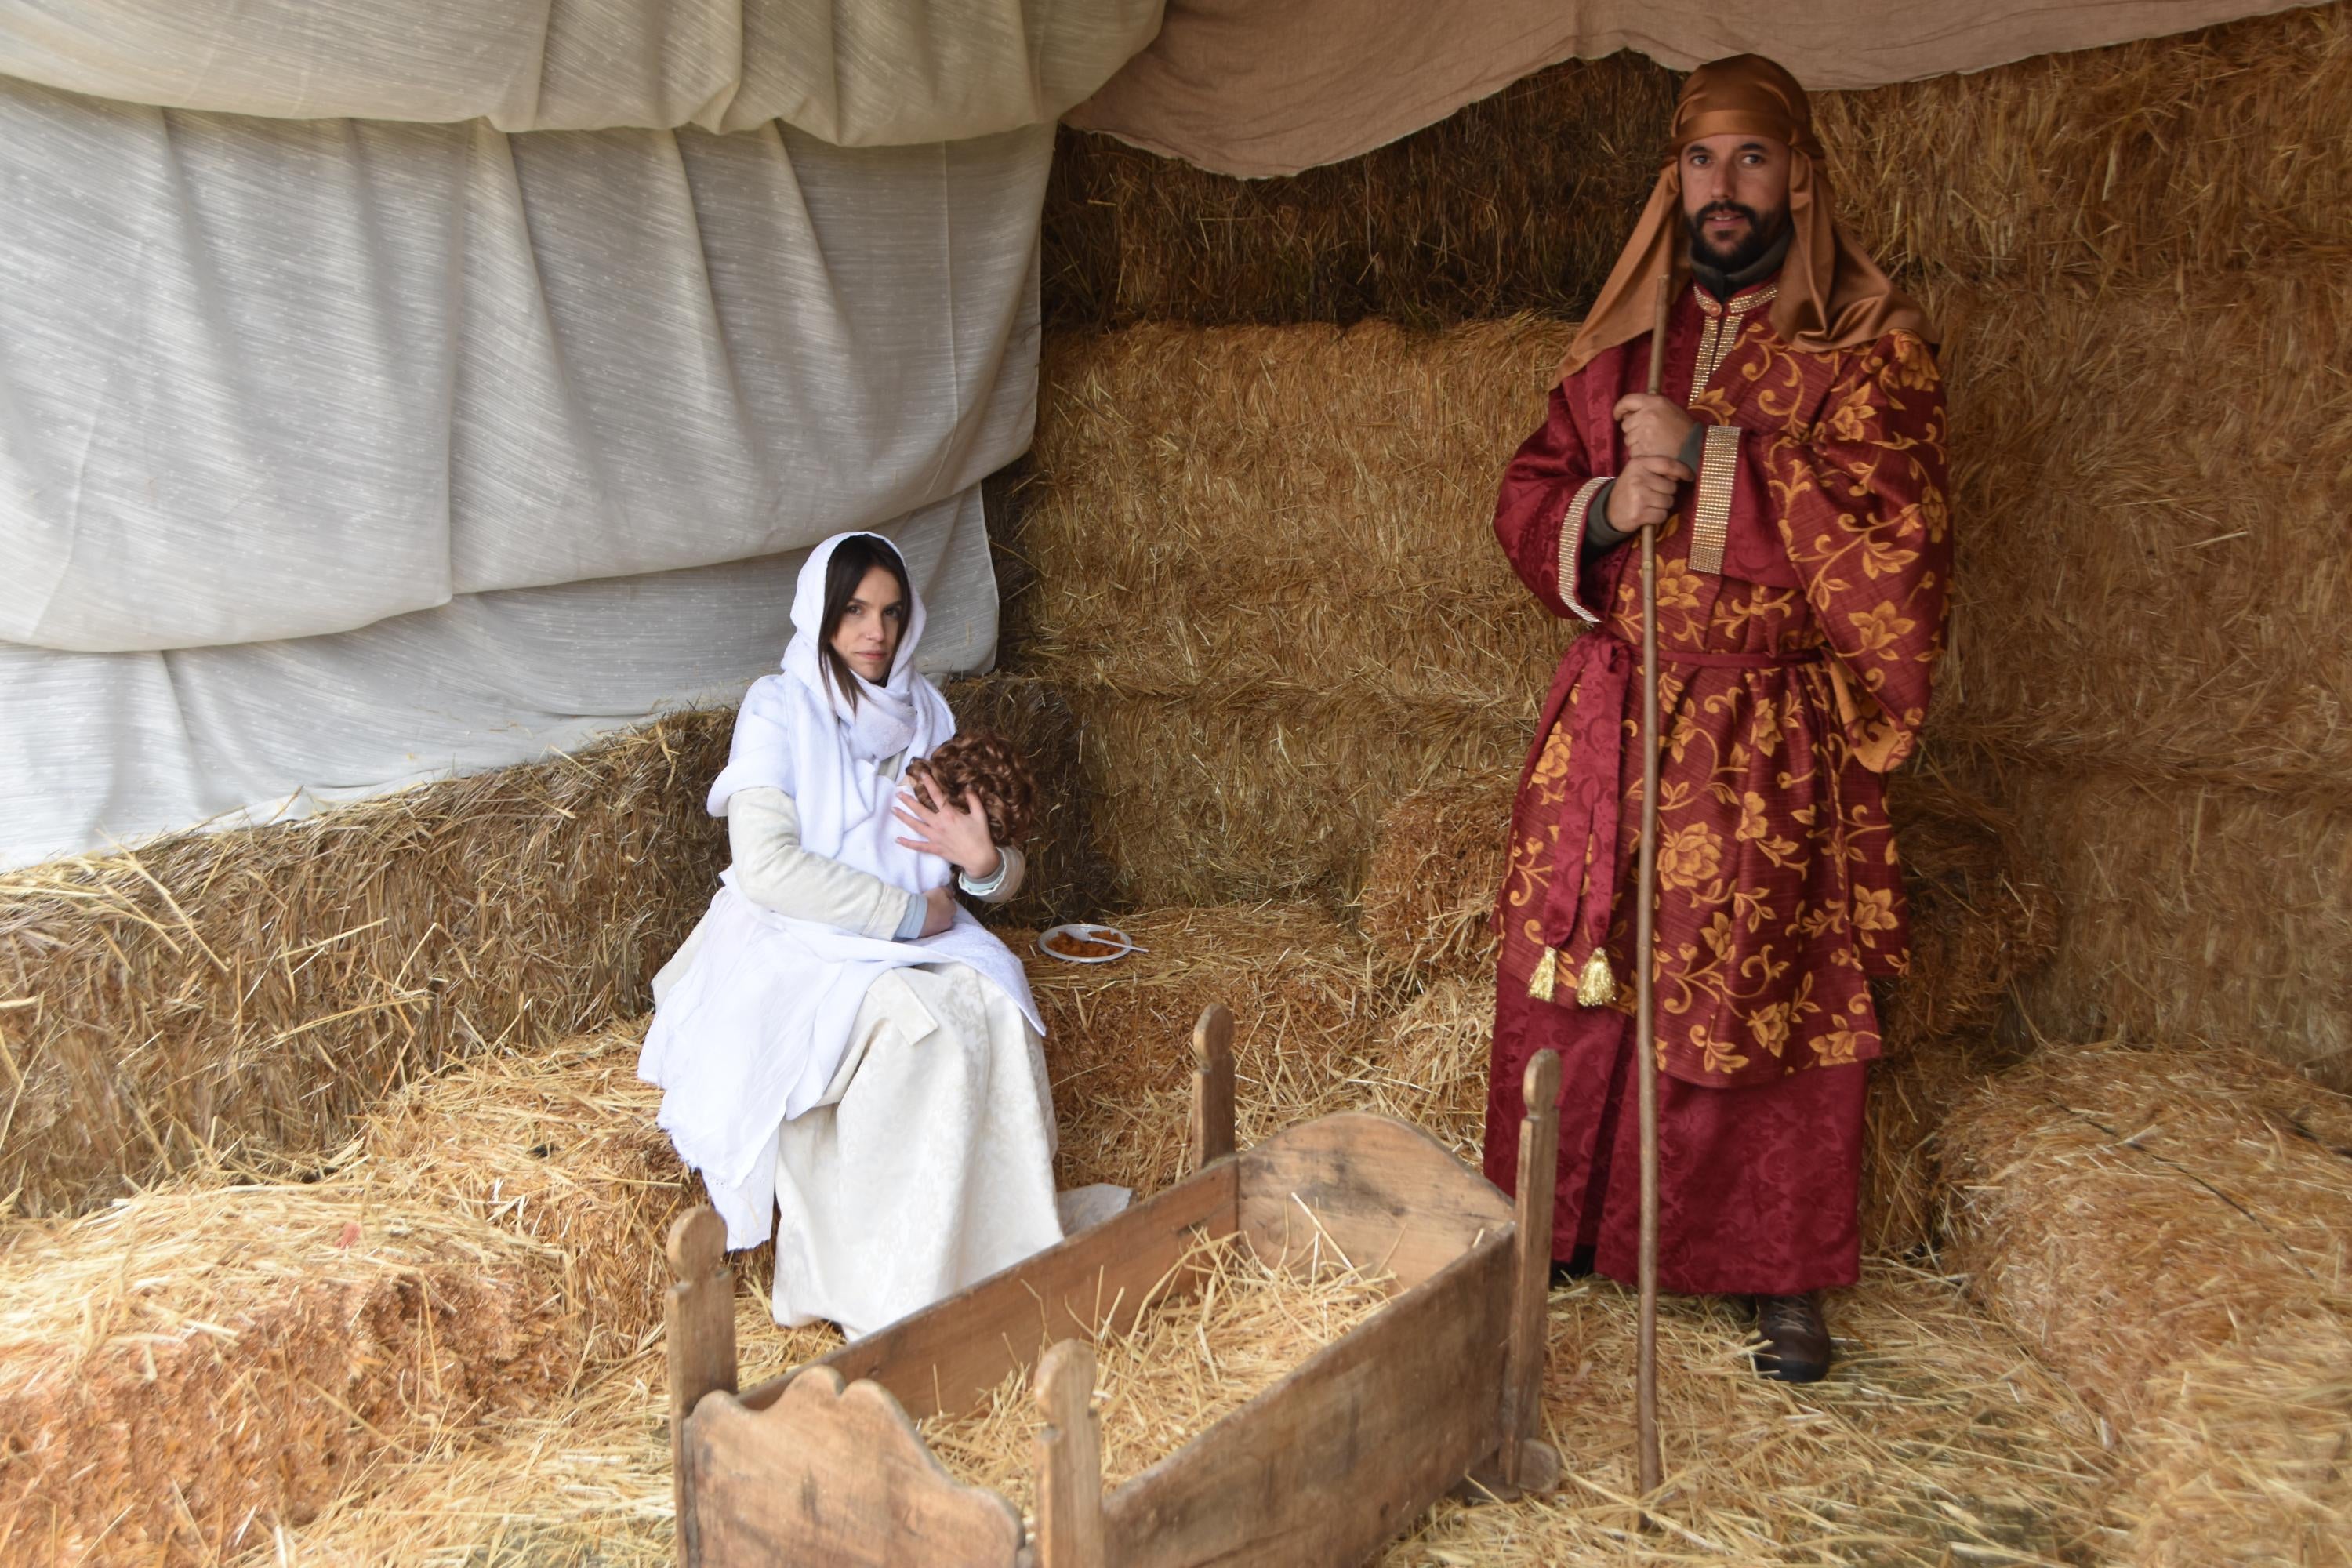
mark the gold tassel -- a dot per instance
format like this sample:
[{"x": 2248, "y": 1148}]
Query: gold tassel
[
  {"x": 1596, "y": 987},
  {"x": 1547, "y": 974}
]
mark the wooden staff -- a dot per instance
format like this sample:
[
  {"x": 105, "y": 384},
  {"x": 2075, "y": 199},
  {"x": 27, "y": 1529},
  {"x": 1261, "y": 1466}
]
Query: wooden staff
[{"x": 1645, "y": 1020}]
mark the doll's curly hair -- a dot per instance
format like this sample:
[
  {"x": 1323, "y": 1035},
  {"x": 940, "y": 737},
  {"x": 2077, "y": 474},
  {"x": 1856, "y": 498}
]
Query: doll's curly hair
[{"x": 981, "y": 762}]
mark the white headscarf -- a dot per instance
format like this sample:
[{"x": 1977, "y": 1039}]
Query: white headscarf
[
  {"x": 798, "y": 732},
  {"x": 882, "y": 721}
]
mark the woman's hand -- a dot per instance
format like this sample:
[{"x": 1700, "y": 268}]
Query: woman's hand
[
  {"x": 957, "y": 832},
  {"x": 939, "y": 910},
  {"x": 1654, "y": 427}
]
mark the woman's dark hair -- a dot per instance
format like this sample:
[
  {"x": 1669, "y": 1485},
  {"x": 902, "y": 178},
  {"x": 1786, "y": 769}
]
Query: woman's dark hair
[{"x": 852, "y": 559}]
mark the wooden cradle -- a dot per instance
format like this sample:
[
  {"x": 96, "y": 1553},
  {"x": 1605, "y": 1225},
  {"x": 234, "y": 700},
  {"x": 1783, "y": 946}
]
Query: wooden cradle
[{"x": 1438, "y": 1390}]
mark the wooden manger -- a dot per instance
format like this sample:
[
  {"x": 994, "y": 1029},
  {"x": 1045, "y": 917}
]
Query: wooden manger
[{"x": 1439, "y": 1390}]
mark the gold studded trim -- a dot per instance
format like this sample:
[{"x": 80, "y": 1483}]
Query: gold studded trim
[
  {"x": 1718, "y": 465},
  {"x": 1720, "y": 335},
  {"x": 1571, "y": 544}
]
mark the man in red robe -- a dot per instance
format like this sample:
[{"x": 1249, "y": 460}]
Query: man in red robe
[{"x": 1794, "y": 472}]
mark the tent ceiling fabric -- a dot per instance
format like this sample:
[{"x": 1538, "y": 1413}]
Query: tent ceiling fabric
[
  {"x": 858, "y": 73},
  {"x": 265, "y": 379},
  {"x": 1251, "y": 89},
  {"x": 101, "y": 748}
]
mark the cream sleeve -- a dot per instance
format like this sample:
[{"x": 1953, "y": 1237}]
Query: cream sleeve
[
  {"x": 1000, "y": 887},
  {"x": 772, "y": 870}
]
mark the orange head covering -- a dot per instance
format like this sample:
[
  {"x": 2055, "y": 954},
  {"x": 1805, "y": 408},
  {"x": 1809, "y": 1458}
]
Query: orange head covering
[{"x": 1831, "y": 295}]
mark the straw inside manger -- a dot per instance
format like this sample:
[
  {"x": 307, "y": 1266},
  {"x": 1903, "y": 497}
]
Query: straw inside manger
[{"x": 1187, "y": 1360}]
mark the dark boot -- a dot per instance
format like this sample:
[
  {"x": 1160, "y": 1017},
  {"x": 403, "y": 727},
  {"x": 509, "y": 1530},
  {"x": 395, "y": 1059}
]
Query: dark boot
[
  {"x": 1796, "y": 1347},
  {"x": 1577, "y": 1264}
]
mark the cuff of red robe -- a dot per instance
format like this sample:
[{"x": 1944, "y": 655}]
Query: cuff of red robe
[
  {"x": 1718, "y": 467},
  {"x": 1573, "y": 538}
]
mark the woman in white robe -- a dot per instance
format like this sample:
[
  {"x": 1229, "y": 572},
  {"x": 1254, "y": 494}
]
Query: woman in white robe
[{"x": 843, "y": 1048}]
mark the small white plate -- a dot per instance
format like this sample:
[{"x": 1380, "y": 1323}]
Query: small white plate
[{"x": 1082, "y": 932}]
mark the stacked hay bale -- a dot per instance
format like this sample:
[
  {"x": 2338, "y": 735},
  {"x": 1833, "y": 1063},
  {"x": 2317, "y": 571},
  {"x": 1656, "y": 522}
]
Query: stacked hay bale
[
  {"x": 1118, "y": 1037},
  {"x": 2172, "y": 1231},
  {"x": 233, "y": 1000},
  {"x": 1268, "y": 585},
  {"x": 187, "y": 1369},
  {"x": 558, "y": 1147}
]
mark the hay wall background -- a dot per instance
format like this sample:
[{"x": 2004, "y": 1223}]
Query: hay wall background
[{"x": 2138, "y": 257}]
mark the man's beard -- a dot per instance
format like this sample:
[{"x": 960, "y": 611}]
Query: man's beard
[{"x": 1763, "y": 230}]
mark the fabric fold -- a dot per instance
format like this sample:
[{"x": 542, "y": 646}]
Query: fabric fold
[
  {"x": 866, "y": 73},
  {"x": 265, "y": 380},
  {"x": 1252, "y": 90}
]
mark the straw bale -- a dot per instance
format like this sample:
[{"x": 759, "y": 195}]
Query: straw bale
[
  {"x": 559, "y": 1146},
  {"x": 1427, "y": 1064},
  {"x": 582, "y": 1481},
  {"x": 2244, "y": 1463},
  {"x": 1435, "y": 872},
  {"x": 235, "y": 997},
  {"x": 182, "y": 1371},
  {"x": 1268, "y": 584},
  {"x": 2201, "y": 152},
  {"x": 2152, "y": 570},
  {"x": 1302, "y": 507},
  {"x": 1489, "y": 211},
  {"x": 1068, "y": 876},
  {"x": 2127, "y": 1210},
  {"x": 1982, "y": 915},
  {"x": 2194, "y": 912},
  {"x": 1119, "y": 1036}
]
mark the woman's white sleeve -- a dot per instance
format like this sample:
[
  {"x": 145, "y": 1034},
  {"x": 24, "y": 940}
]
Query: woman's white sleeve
[
  {"x": 1012, "y": 865},
  {"x": 772, "y": 870}
]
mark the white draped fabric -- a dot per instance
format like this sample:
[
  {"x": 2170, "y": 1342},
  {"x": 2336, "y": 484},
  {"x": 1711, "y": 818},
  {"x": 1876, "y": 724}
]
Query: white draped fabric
[
  {"x": 271, "y": 379},
  {"x": 101, "y": 748},
  {"x": 338, "y": 454},
  {"x": 854, "y": 72}
]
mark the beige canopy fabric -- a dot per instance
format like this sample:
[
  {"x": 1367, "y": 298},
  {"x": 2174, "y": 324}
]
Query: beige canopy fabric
[
  {"x": 1249, "y": 89},
  {"x": 858, "y": 73}
]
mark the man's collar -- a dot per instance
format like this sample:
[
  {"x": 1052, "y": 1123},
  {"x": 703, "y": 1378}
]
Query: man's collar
[{"x": 1726, "y": 286}]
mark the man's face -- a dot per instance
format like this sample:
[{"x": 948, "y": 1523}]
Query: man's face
[{"x": 1734, "y": 197}]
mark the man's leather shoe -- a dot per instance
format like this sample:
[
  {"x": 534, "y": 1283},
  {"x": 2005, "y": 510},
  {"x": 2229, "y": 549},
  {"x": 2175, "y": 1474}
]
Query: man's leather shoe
[{"x": 1796, "y": 1347}]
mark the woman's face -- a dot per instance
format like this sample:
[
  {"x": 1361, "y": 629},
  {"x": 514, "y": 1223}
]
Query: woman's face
[{"x": 867, "y": 632}]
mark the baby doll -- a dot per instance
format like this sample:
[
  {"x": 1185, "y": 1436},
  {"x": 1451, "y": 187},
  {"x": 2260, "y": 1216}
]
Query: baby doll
[{"x": 982, "y": 764}]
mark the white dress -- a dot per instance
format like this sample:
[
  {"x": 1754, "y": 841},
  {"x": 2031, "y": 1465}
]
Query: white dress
[{"x": 926, "y": 1165}]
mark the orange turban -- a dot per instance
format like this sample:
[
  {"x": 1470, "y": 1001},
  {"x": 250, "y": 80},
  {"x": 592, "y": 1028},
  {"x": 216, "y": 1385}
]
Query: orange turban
[{"x": 1832, "y": 294}]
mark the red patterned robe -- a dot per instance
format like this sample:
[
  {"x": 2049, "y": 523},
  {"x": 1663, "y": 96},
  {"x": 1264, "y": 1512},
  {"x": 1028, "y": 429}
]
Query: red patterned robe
[{"x": 1801, "y": 593}]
